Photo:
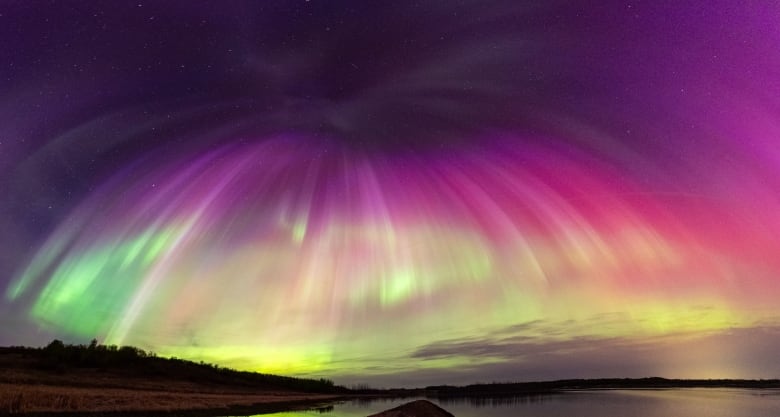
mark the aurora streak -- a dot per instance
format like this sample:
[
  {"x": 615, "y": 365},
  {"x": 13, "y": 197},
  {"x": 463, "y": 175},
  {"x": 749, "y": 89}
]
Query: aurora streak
[{"x": 480, "y": 210}]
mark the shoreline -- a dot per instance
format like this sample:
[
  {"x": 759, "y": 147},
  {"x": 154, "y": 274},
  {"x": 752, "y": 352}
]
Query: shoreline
[
  {"x": 232, "y": 410},
  {"x": 56, "y": 400},
  {"x": 95, "y": 380},
  {"x": 101, "y": 380},
  {"x": 246, "y": 404}
]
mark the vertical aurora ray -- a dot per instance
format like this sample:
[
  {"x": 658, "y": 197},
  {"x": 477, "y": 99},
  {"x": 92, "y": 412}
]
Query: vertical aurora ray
[
  {"x": 407, "y": 193},
  {"x": 263, "y": 251}
]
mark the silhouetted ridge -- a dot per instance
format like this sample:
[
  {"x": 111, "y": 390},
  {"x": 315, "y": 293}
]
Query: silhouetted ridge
[
  {"x": 134, "y": 362},
  {"x": 543, "y": 387}
]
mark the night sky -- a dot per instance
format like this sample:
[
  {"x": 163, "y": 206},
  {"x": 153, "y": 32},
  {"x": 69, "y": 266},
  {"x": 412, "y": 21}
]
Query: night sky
[{"x": 396, "y": 192}]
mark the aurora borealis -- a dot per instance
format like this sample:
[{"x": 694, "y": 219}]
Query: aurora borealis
[{"x": 396, "y": 193}]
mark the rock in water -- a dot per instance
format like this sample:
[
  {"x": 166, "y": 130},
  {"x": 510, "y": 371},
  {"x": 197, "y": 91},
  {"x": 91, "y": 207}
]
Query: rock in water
[{"x": 419, "y": 408}]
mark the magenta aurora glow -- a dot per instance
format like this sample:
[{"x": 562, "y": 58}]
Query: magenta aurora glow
[{"x": 397, "y": 194}]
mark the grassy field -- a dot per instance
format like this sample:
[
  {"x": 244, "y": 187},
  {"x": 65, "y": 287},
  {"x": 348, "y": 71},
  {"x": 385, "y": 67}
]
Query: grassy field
[{"x": 47, "y": 399}]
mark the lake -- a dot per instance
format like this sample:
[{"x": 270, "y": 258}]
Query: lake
[{"x": 694, "y": 402}]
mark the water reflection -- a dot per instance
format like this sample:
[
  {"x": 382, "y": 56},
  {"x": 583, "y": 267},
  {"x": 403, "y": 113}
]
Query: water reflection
[
  {"x": 699, "y": 402},
  {"x": 326, "y": 409},
  {"x": 499, "y": 401}
]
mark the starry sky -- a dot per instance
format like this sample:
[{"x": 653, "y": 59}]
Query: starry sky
[{"x": 396, "y": 193}]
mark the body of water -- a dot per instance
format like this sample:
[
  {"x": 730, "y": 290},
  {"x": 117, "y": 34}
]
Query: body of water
[{"x": 694, "y": 402}]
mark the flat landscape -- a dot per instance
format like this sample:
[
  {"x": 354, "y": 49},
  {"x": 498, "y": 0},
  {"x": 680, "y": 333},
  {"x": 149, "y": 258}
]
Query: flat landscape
[
  {"x": 31, "y": 384},
  {"x": 117, "y": 381}
]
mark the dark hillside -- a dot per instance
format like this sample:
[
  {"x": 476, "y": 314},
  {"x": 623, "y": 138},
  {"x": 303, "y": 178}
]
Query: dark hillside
[{"x": 58, "y": 361}]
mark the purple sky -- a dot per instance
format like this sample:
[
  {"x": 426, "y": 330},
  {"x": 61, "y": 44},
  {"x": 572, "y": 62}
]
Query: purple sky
[{"x": 405, "y": 192}]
